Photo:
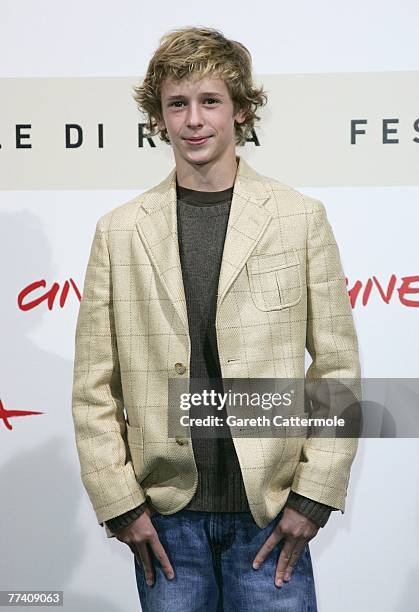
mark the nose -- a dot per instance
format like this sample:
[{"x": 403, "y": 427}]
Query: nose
[{"x": 194, "y": 115}]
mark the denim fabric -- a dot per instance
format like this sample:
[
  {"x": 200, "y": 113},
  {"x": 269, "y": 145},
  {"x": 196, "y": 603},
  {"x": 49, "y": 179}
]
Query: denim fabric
[{"x": 211, "y": 554}]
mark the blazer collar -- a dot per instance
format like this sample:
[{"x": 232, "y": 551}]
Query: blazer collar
[{"x": 157, "y": 228}]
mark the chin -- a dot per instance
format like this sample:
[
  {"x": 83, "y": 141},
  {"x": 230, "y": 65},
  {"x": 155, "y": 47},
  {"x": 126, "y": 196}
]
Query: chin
[
  {"x": 199, "y": 157},
  {"x": 199, "y": 162}
]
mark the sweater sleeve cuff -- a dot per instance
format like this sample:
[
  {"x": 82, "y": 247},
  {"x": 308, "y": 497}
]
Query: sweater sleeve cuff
[
  {"x": 123, "y": 520},
  {"x": 319, "y": 513}
]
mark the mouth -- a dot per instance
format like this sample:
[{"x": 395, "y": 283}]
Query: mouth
[{"x": 197, "y": 141}]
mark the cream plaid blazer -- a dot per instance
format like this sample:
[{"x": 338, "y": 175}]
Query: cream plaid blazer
[{"x": 281, "y": 290}]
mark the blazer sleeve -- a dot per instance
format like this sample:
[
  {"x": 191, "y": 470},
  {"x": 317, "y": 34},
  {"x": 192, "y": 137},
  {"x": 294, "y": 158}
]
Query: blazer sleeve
[
  {"x": 324, "y": 468},
  {"x": 97, "y": 402}
]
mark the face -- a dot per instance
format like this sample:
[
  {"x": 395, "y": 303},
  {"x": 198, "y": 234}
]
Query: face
[{"x": 198, "y": 116}]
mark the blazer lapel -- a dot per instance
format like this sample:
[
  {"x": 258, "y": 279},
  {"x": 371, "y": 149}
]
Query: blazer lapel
[
  {"x": 157, "y": 228},
  {"x": 247, "y": 222}
]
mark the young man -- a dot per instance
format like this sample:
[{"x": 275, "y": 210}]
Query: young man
[{"x": 217, "y": 272}]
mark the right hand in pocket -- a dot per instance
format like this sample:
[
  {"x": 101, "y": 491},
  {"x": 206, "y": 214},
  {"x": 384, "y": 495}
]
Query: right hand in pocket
[{"x": 141, "y": 536}]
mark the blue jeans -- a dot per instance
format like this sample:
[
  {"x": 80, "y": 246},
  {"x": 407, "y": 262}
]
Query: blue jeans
[{"x": 211, "y": 554}]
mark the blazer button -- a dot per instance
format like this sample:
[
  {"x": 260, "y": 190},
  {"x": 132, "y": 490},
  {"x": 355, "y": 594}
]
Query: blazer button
[
  {"x": 180, "y": 368},
  {"x": 181, "y": 441}
]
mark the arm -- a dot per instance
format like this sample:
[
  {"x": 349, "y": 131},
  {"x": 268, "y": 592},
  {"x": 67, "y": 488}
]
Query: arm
[
  {"x": 123, "y": 520},
  {"x": 317, "y": 512},
  {"x": 323, "y": 472},
  {"x": 97, "y": 401}
]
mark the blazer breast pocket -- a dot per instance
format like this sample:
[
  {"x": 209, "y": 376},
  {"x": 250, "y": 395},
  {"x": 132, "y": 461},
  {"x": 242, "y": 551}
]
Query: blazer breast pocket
[{"x": 275, "y": 280}]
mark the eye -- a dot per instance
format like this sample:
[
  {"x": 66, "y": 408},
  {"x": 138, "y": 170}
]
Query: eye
[{"x": 175, "y": 103}]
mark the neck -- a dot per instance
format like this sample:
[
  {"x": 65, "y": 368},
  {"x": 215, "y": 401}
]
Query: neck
[{"x": 212, "y": 176}]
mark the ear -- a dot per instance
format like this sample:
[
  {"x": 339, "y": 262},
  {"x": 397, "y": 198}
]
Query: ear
[
  {"x": 160, "y": 124},
  {"x": 240, "y": 116}
]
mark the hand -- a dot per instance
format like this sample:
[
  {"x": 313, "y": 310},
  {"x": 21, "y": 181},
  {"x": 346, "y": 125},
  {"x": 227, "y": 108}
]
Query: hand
[
  {"x": 138, "y": 536},
  {"x": 297, "y": 530}
]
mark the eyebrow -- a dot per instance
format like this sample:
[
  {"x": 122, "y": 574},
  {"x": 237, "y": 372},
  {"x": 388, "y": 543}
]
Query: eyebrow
[{"x": 204, "y": 93}]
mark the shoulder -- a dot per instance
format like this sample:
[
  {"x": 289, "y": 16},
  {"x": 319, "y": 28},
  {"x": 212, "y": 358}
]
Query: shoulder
[
  {"x": 288, "y": 199},
  {"x": 125, "y": 215},
  {"x": 122, "y": 216}
]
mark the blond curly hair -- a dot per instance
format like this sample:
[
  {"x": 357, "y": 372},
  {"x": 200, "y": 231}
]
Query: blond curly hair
[{"x": 200, "y": 52}]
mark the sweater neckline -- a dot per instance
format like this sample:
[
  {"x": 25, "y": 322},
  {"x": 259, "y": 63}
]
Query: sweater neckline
[{"x": 202, "y": 198}]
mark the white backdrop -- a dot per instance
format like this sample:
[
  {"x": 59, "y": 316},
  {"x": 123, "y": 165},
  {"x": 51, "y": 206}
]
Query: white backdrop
[{"x": 50, "y": 539}]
